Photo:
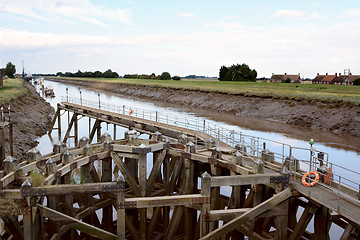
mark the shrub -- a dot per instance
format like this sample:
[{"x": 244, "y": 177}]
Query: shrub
[
  {"x": 176, "y": 78},
  {"x": 287, "y": 80},
  {"x": 356, "y": 81}
]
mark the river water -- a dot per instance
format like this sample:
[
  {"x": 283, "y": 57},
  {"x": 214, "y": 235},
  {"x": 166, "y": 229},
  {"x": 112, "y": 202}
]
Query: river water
[{"x": 342, "y": 150}]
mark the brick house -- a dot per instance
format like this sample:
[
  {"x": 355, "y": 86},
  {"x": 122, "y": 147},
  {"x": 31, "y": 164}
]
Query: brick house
[
  {"x": 1, "y": 78},
  {"x": 335, "y": 79},
  {"x": 278, "y": 78}
]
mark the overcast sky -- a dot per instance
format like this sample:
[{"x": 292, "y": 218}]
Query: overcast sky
[{"x": 181, "y": 37}]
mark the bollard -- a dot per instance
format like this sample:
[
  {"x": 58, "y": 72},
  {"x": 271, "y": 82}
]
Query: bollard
[
  {"x": 209, "y": 143},
  {"x": 50, "y": 166},
  {"x": 157, "y": 136},
  {"x": 105, "y": 137},
  {"x": 59, "y": 147},
  {"x": 238, "y": 158},
  {"x": 216, "y": 153},
  {"x": 291, "y": 163},
  {"x": 83, "y": 141},
  {"x": 87, "y": 151},
  {"x": 11, "y": 164},
  {"x": 190, "y": 147},
  {"x": 258, "y": 166},
  {"x": 132, "y": 137},
  {"x": 107, "y": 145},
  {"x": 267, "y": 156},
  {"x": 183, "y": 139},
  {"x": 33, "y": 155},
  {"x": 67, "y": 157},
  {"x": 240, "y": 147}
]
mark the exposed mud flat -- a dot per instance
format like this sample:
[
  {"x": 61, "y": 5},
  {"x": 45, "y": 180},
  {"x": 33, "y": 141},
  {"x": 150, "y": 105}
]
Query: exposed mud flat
[
  {"x": 318, "y": 116},
  {"x": 32, "y": 117}
]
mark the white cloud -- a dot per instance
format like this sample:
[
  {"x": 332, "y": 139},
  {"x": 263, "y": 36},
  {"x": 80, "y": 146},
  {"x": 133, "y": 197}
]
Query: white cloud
[
  {"x": 353, "y": 13},
  {"x": 79, "y": 10},
  {"x": 296, "y": 15},
  {"x": 186, "y": 14},
  {"x": 225, "y": 24}
]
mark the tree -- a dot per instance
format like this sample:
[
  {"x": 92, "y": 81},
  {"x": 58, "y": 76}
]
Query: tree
[
  {"x": 176, "y": 78},
  {"x": 165, "y": 76},
  {"x": 60, "y": 74},
  {"x": 287, "y": 80},
  {"x": 10, "y": 70},
  {"x": 356, "y": 81},
  {"x": 237, "y": 73}
]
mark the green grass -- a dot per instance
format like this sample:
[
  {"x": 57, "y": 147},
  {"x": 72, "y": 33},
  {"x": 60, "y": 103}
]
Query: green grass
[
  {"x": 12, "y": 89},
  {"x": 299, "y": 92}
]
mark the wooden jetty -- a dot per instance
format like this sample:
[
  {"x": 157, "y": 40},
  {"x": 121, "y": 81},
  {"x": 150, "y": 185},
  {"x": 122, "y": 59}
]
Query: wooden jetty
[{"x": 195, "y": 189}]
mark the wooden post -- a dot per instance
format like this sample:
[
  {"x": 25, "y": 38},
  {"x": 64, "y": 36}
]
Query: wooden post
[
  {"x": 205, "y": 207},
  {"x": 98, "y": 131},
  {"x": 27, "y": 219},
  {"x": 11, "y": 140},
  {"x": 258, "y": 168},
  {"x": 120, "y": 197},
  {"x": 142, "y": 185},
  {"x": 107, "y": 217},
  {"x": 281, "y": 222},
  {"x": 322, "y": 223},
  {"x": 59, "y": 123},
  {"x": 76, "y": 130},
  {"x": 2, "y": 157},
  {"x": 304, "y": 221}
]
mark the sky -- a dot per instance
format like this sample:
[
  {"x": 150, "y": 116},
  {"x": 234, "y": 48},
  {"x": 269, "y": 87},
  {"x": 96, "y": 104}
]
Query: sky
[{"x": 181, "y": 37}]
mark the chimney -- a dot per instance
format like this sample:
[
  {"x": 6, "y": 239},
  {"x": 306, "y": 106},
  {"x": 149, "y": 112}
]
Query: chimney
[
  {"x": 299, "y": 74},
  {"x": 339, "y": 74},
  {"x": 326, "y": 74},
  {"x": 285, "y": 74},
  {"x": 335, "y": 74},
  {"x": 317, "y": 74},
  {"x": 350, "y": 73},
  {"x": 272, "y": 74}
]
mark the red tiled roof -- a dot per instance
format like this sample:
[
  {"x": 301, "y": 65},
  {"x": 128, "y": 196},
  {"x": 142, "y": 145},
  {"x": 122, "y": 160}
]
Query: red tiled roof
[{"x": 328, "y": 78}]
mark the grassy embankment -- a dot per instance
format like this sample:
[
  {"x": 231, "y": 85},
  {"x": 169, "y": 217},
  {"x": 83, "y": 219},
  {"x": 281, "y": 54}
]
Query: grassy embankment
[
  {"x": 300, "y": 92},
  {"x": 12, "y": 89}
]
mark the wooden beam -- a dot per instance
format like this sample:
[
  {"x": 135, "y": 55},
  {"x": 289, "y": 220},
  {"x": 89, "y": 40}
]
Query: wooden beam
[
  {"x": 124, "y": 170},
  {"x": 254, "y": 212},
  {"x": 236, "y": 180},
  {"x": 12, "y": 226},
  {"x": 72, "y": 189},
  {"x": 155, "y": 170},
  {"x": 304, "y": 221},
  {"x": 76, "y": 224},
  {"x": 93, "y": 131},
  {"x": 73, "y": 119}
]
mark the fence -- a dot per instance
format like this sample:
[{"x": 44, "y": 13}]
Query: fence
[{"x": 252, "y": 146}]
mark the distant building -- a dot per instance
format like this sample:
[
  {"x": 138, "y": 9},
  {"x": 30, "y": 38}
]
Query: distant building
[
  {"x": 1, "y": 78},
  {"x": 278, "y": 78},
  {"x": 335, "y": 79}
]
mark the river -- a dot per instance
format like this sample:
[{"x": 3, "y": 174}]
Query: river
[{"x": 342, "y": 150}]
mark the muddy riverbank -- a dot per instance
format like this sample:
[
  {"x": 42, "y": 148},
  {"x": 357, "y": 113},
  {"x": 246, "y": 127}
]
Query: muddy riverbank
[
  {"x": 330, "y": 117},
  {"x": 32, "y": 117}
]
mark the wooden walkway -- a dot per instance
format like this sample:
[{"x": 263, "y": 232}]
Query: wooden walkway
[{"x": 202, "y": 191}]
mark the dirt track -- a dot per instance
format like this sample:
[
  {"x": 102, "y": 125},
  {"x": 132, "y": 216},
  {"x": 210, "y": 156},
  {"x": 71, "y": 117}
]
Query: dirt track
[{"x": 319, "y": 116}]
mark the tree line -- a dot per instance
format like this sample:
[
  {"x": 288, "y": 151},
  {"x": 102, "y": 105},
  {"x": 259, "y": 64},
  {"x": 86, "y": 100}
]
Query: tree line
[
  {"x": 9, "y": 70},
  {"x": 97, "y": 74},
  {"x": 237, "y": 73},
  {"x": 162, "y": 76}
]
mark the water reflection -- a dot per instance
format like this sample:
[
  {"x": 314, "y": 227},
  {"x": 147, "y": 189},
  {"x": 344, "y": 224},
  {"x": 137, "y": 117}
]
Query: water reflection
[{"x": 343, "y": 150}]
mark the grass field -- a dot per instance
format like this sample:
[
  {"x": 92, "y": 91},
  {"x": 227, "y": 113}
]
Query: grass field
[
  {"x": 12, "y": 89},
  {"x": 307, "y": 92}
]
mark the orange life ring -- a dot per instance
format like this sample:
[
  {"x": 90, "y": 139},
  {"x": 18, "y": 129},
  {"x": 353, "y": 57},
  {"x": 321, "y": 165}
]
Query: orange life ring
[
  {"x": 305, "y": 183},
  {"x": 131, "y": 112}
]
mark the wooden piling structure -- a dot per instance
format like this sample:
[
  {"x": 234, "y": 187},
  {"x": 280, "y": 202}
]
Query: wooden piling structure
[{"x": 165, "y": 201}]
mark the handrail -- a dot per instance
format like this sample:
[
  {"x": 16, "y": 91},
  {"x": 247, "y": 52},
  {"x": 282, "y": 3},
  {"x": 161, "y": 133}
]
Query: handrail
[{"x": 233, "y": 138}]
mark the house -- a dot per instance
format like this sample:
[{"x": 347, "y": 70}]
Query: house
[
  {"x": 335, "y": 79},
  {"x": 278, "y": 78},
  {"x": 1, "y": 78}
]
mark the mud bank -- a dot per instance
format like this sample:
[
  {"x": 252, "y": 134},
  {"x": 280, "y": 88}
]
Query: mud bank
[
  {"x": 32, "y": 117},
  {"x": 320, "y": 116}
]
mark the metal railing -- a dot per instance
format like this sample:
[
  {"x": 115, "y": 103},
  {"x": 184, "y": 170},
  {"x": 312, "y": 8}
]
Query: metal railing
[{"x": 251, "y": 146}]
